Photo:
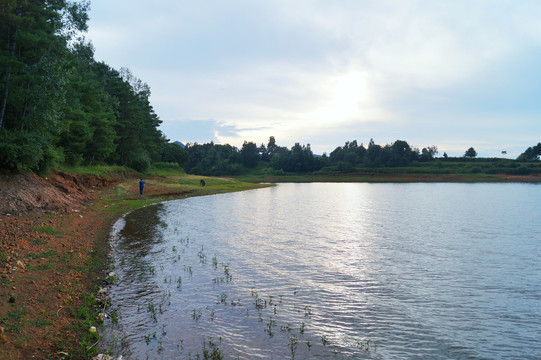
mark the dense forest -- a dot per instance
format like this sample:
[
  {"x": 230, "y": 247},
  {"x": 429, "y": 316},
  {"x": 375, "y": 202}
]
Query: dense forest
[{"x": 58, "y": 105}]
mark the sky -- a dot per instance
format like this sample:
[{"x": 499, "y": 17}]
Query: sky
[{"x": 450, "y": 73}]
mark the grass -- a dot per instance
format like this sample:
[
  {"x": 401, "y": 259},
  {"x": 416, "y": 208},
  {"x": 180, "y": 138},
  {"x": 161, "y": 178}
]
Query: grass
[
  {"x": 439, "y": 170},
  {"x": 380, "y": 178},
  {"x": 98, "y": 170},
  {"x": 14, "y": 319},
  {"x": 47, "y": 230},
  {"x": 86, "y": 314},
  {"x": 41, "y": 322},
  {"x": 44, "y": 255}
]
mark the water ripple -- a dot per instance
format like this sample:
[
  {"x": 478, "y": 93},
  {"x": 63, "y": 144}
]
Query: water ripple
[{"x": 333, "y": 271}]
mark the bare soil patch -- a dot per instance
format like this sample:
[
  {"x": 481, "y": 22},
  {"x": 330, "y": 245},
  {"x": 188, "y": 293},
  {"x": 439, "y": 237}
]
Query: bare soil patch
[{"x": 48, "y": 231}]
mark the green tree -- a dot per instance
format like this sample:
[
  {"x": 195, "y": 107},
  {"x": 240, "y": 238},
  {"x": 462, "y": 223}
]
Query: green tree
[
  {"x": 400, "y": 154},
  {"x": 138, "y": 140},
  {"x": 212, "y": 159},
  {"x": 429, "y": 152},
  {"x": 351, "y": 152},
  {"x": 34, "y": 38},
  {"x": 470, "y": 153},
  {"x": 377, "y": 155},
  {"x": 272, "y": 148},
  {"x": 250, "y": 154},
  {"x": 174, "y": 153},
  {"x": 531, "y": 153}
]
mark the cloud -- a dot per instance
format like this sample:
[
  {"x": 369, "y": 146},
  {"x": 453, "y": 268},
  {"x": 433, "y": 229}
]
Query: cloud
[{"x": 449, "y": 72}]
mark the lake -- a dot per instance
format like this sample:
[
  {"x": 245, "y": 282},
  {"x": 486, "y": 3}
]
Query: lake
[{"x": 332, "y": 271}]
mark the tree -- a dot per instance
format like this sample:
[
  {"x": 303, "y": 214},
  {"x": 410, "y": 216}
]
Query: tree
[
  {"x": 429, "y": 152},
  {"x": 531, "y": 153},
  {"x": 173, "y": 153},
  {"x": 400, "y": 154},
  {"x": 377, "y": 155},
  {"x": 470, "y": 153},
  {"x": 352, "y": 153},
  {"x": 250, "y": 155},
  {"x": 272, "y": 148},
  {"x": 34, "y": 47}
]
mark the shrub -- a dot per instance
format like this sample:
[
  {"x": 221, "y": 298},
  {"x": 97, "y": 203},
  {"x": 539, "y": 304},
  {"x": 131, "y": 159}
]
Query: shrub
[
  {"x": 140, "y": 162},
  {"x": 23, "y": 148},
  {"x": 522, "y": 170}
]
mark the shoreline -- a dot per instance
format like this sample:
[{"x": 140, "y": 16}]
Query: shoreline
[
  {"x": 54, "y": 260},
  {"x": 393, "y": 178}
]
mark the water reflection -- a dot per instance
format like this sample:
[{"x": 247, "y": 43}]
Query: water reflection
[
  {"x": 143, "y": 229},
  {"x": 333, "y": 271}
]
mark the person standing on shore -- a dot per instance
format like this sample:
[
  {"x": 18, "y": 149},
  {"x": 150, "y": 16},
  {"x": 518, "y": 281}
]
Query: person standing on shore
[{"x": 141, "y": 186}]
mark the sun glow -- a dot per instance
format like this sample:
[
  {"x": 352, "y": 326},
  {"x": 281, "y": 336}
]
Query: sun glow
[{"x": 346, "y": 95}]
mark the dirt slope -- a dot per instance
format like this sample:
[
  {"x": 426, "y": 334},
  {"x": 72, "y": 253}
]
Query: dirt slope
[
  {"x": 26, "y": 192},
  {"x": 47, "y": 232}
]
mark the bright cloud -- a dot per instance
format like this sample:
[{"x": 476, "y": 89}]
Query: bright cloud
[{"x": 451, "y": 73}]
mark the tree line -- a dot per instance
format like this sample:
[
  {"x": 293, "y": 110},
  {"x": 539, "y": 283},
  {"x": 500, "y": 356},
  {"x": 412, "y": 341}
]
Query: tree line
[
  {"x": 58, "y": 105},
  {"x": 215, "y": 159}
]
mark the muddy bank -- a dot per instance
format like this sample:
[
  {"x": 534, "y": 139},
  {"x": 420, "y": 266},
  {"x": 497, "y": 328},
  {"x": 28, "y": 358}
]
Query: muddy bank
[
  {"x": 26, "y": 192},
  {"x": 48, "y": 233},
  {"x": 54, "y": 249}
]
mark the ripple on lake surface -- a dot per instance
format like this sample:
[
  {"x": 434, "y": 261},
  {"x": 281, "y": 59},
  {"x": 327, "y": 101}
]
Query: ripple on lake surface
[{"x": 332, "y": 271}]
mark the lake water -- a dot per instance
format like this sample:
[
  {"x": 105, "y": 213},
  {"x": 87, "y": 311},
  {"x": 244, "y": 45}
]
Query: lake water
[{"x": 332, "y": 271}]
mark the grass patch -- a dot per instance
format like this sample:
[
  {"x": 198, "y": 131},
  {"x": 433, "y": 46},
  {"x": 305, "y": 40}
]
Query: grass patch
[
  {"x": 41, "y": 267},
  {"x": 99, "y": 170},
  {"x": 37, "y": 241},
  {"x": 86, "y": 315},
  {"x": 14, "y": 319},
  {"x": 21, "y": 340},
  {"x": 121, "y": 190},
  {"x": 43, "y": 255},
  {"x": 39, "y": 322},
  {"x": 48, "y": 230}
]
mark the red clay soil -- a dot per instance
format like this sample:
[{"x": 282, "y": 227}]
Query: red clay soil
[{"x": 47, "y": 232}]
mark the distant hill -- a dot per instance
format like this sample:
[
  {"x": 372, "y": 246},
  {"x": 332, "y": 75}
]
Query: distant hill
[{"x": 180, "y": 144}]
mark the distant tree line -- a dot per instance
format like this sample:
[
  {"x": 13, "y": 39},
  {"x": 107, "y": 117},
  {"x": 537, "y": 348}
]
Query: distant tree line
[
  {"x": 59, "y": 105},
  {"x": 214, "y": 159}
]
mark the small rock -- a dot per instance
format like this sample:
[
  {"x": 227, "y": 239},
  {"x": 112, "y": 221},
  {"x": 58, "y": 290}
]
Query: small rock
[
  {"x": 111, "y": 274},
  {"x": 102, "y": 357},
  {"x": 102, "y": 291},
  {"x": 92, "y": 329},
  {"x": 11, "y": 299}
]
